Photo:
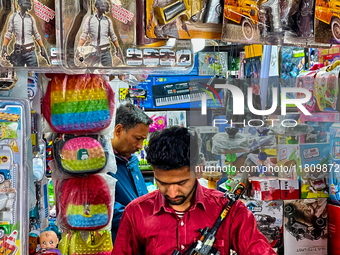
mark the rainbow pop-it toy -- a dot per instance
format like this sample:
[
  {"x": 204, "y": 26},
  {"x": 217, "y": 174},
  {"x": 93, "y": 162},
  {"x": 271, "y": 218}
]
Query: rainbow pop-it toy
[
  {"x": 82, "y": 154},
  {"x": 85, "y": 203},
  {"x": 76, "y": 104}
]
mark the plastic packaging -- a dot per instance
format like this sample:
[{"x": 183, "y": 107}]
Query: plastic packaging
[
  {"x": 38, "y": 46},
  {"x": 299, "y": 129},
  {"x": 74, "y": 243},
  {"x": 83, "y": 154},
  {"x": 223, "y": 144},
  {"x": 15, "y": 170},
  {"x": 78, "y": 104},
  {"x": 184, "y": 19},
  {"x": 89, "y": 210},
  {"x": 96, "y": 35}
]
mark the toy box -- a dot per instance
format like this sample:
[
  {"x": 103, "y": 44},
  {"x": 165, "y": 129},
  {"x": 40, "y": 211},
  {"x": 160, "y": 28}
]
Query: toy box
[
  {"x": 37, "y": 46},
  {"x": 334, "y": 229},
  {"x": 265, "y": 188},
  {"x": 183, "y": 19},
  {"x": 289, "y": 188},
  {"x": 305, "y": 226},
  {"x": 326, "y": 88},
  {"x": 213, "y": 63},
  {"x": 176, "y": 118},
  {"x": 334, "y": 177},
  {"x": 205, "y": 134},
  {"x": 314, "y": 170},
  {"x": 268, "y": 215},
  {"x": 288, "y": 160},
  {"x": 321, "y": 122},
  {"x": 306, "y": 80},
  {"x": 159, "y": 121}
]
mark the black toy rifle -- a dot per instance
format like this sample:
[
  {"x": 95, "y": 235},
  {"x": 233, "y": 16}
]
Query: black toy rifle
[{"x": 205, "y": 245}]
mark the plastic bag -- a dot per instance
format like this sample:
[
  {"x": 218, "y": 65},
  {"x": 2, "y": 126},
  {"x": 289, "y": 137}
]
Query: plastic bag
[
  {"x": 222, "y": 144},
  {"x": 299, "y": 129},
  {"x": 84, "y": 154}
]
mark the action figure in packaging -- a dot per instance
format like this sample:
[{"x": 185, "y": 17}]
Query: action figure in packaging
[
  {"x": 99, "y": 28},
  {"x": 23, "y": 32}
]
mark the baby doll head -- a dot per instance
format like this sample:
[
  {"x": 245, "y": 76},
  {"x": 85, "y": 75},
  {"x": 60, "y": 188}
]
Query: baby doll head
[{"x": 48, "y": 240}]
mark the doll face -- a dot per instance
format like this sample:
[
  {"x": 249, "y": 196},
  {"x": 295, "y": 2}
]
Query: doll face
[{"x": 48, "y": 240}]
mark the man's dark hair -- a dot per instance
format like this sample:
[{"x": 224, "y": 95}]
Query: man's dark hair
[
  {"x": 172, "y": 148},
  {"x": 129, "y": 116}
]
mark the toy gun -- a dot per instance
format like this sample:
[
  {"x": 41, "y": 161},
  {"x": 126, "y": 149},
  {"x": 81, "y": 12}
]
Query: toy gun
[
  {"x": 189, "y": 9},
  {"x": 204, "y": 245}
]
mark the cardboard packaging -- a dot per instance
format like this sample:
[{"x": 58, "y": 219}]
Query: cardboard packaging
[
  {"x": 334, "y": 230},
  {"x": 265, "y": 189},
  {"x": 305, "y": 229},
  {"x": 289, "y": 188}
]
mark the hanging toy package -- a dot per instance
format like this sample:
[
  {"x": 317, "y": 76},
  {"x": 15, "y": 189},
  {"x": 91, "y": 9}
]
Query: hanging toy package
[
  {"x": 28, "y": 34},
  {"x": 83, "y": 154},
  {"x": 14, "y": 171},
  {"x": 184, "y": 19},
  {"x": 79, "y": 104},
  {"x": 101, "y": 34}
]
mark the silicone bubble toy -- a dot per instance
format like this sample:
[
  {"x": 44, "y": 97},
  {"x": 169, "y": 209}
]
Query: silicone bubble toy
[
  {"x": 80, "y": 155},
  {"x": 78, "y": 104},
  {"x": 85, "y": 203},
  {"x": 103, "y": 245}
]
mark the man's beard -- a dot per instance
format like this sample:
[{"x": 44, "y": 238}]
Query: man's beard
[{"x": 183, "y": 198}]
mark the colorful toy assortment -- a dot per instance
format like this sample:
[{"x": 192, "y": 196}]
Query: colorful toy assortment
[{"x": 159, "y": 121}]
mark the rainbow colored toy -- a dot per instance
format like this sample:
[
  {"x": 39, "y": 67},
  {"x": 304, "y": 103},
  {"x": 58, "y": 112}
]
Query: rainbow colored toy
[
  {"x": 83, "y": 154},
  {"x": 85, "y": 203},
  {"x": 78, "y": 103}
]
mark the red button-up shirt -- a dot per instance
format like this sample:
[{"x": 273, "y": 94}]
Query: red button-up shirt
[{"x": 150, "y": 226}]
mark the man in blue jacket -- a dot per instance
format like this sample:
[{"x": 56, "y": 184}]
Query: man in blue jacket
[{"x": 132, "y": 127}]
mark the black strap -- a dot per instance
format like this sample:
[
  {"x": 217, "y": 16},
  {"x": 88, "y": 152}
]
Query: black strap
[{"x": 98, "y": 39}]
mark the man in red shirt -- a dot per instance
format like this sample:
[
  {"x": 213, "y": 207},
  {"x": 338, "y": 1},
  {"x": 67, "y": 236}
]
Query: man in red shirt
[{"x": 169, "y": 218}]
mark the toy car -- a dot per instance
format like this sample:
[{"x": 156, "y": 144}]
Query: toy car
[
  {"x": 264, "y": 225},
  {"x": 312, "y": 229},
  {"x": 5, "y": 229},
  {"x": 6, "y": 163},
  {"x": 328, "y": 11}
]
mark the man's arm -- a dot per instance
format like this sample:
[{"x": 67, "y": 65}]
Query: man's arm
[
  {"x": 117, "y": 215},
  {"x": 245, "y": 237},
  {"x": 127, "y": 241}
]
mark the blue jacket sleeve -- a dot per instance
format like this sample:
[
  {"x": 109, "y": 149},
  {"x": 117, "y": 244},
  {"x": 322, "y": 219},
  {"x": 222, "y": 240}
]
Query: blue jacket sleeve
[{"x": 117, "y": 215}]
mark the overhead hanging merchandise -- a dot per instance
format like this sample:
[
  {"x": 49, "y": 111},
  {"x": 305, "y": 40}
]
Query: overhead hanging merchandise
[
  {"x": 97, "y": 35},
  {"x": 270, "y": 22},
  {"x": 28, "y": 38},
  {"x": 184, "y": 19}
]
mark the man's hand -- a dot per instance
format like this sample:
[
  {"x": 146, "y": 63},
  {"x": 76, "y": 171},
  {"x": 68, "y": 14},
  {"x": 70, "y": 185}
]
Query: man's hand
[
  {"x": 119, "y": 53},
  {"x": 4, "y": 51}
]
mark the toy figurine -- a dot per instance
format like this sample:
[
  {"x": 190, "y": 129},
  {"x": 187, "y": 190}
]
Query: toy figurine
[
  {"x": 48, "y": 243},
  {"x": 22, "y": 27},
  {"x": 99, "y": 28},
  {"x": 33, "y": 243}
]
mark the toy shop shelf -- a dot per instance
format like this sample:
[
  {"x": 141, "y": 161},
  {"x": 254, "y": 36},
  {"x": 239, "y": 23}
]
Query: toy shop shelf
[
  {"x": 229, "y": 48},
  {"x": 147, "y": 173}
]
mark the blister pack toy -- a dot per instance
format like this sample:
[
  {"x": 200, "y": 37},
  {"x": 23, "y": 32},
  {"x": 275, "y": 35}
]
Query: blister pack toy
[
  {"x": 28, "y": 34},
  {"x": 213, "y": 63},
  {"x": 184, "y": 19},
  {"x": 83, "y": 154},
  {"x": 85, "y": 203},
  {"x": 288, "y": 160},
  {"x": 100, "y": 34},
  {"x": 97, "y": 243},
  {"x": 159, "y": 121},
  {"x": 326, "y": 88},
  {"x": 78, "y": 104},
  {"x": 14, "y": 171}
]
